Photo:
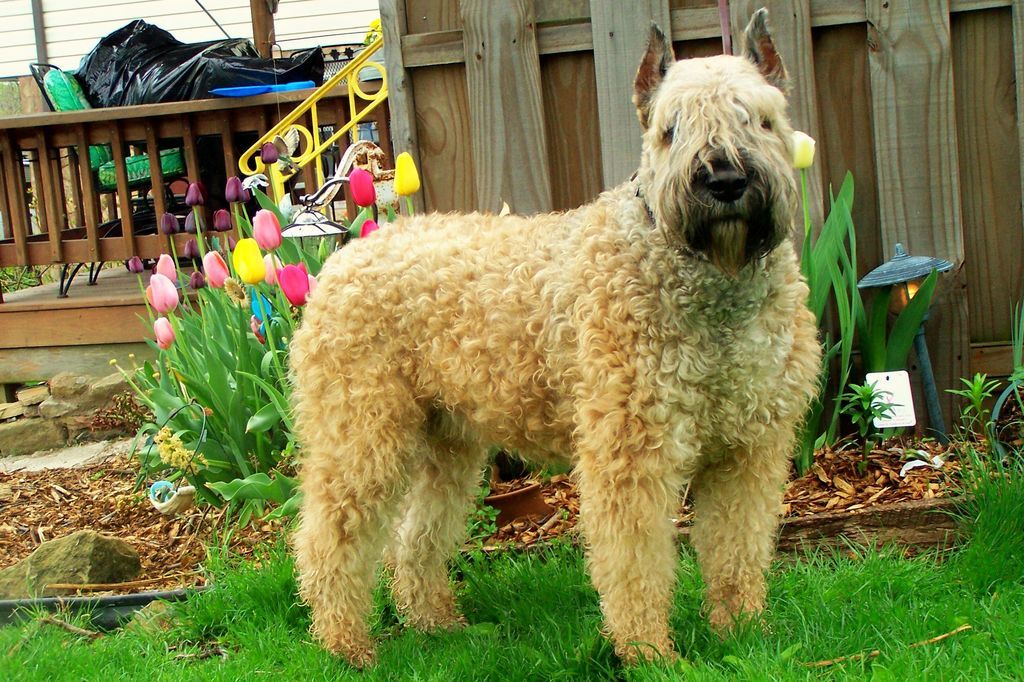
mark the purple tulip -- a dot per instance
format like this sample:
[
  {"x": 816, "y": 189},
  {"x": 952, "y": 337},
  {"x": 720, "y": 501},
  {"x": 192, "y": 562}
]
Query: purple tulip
[
  {"x": 231, "y": 243},
  {"x": 195, "y": 195},
  {"x": 221, "y": 220},
  {"x": 191, "y": 249},
  {"x": 234, "y": 193},
  {"x": 135, "y": 265},
  {"x": 268, "y": 153},
  {"x": 190, "y": 222},
  {"x": 169, "y": 224},
  {"x": 196, "y": 281}
]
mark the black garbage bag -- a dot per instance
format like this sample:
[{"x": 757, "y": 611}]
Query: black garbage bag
[{"x": 144, "y": 64}]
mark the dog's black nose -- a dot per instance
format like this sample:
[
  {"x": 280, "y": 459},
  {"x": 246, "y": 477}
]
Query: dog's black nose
[{"x": 727, "y": 184}]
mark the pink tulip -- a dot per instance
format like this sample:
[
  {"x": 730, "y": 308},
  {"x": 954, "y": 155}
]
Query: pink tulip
[
  {"x": 215, "y": 268},
  {"x": 266, "y": 230},
  {"x": 361, "y": 184},
  {"x": 165, "y": 267},
  {"x": 271, "y": 264},
  {"x": 312, "y": 285},
  {"x": 294, "y": 282},
  {"x": 162, "y": 294},
  {"x": 369, "y": 227},
  {"x": 164, "y": 332}
]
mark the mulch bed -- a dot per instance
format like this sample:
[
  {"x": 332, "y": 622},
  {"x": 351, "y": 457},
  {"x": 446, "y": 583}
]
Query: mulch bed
[{"x": 35, "y": 506}]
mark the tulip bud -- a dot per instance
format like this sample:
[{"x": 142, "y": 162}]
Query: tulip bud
[
  {"x": 268, "y": 153},
  {"x": 196, "y": 281},
  {"x": 369, "y": 227},
  {"x": 195, "y": 195},
  {"x": 234, "y": 193},
  {"x": 191, "y": 249},
  {"x": 361, "y": 184},
  {"x": 164, "y": 332},
  {"x": 169, "y": 224},
  {"x": 803, "y": 150},
  {"x": 135, "y": 265},
  {"x": 215, "y": 268},
  {"x": 266, "y": 229},
  {"x": 191, "y": 222},
  {"x": 162, "y": 294},
  {"x": 165, "y": 266},
  {"x": 232, "y": 242},
  {"x": 294, "y": 283},
  {"x": 221, "y": 220},
  {"x": 407, "y": 178},
  {"x": 249, "y": 262}
]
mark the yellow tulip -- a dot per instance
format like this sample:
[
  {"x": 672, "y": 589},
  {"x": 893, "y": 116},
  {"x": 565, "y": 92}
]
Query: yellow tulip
[
  {"x": 249, "y": 261},
  {"x": 803, "y": 150},
  {"x": 407, "y": 179}
]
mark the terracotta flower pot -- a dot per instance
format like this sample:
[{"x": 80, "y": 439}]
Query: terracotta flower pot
[{"x": 522, "y": 503}]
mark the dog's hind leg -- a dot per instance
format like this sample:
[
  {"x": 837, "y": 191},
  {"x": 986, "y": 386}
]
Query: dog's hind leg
[
  {"x": 433, "y": 526},
  {"x": 357, "y": 450},
  {"x": 737, "y": 505}
]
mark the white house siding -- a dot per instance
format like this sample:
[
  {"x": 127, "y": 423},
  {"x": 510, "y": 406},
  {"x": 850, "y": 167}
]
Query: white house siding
[
  {"x": 17, "y": 39},
  {"x": 74, "y": 26}
]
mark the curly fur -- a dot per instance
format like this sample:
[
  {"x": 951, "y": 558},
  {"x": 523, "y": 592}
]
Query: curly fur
[{"x": 606, "y": 336}]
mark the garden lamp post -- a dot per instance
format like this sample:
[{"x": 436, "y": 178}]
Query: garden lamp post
[{"x": 904, "y": 273}]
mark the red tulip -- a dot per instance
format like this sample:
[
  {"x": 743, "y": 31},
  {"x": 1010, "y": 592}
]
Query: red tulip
[
  {"x": 162, "y": 294},
  {"x": 266, "y": 230},
  {"x": 361, "y": 184},
  {"x": 215, "y": 268},
  {"x": 294, "y": 282},
  {"x": 164, "y": 332},
  {"x": 369, "y": 227}
]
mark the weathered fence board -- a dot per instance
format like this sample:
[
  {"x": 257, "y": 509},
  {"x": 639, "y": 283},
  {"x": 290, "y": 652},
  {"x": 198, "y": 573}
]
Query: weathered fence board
[
  {"x": 916, "y": 154},
  {"x": 503, "y": 83},
  {"x": 620, "y": 31}
]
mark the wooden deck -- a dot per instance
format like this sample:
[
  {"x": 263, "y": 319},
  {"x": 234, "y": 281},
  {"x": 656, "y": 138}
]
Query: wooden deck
[{"x": 41, "y": 334}]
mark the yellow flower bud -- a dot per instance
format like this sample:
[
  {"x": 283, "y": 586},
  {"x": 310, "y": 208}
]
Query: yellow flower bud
[
  {"x": 249, "y": 261},
  {"x": 803, "y": 150},
  {"x": 407, "y": 179}
]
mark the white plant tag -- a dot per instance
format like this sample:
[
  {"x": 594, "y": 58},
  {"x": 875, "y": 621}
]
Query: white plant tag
[{"x": 893, "y": 388}]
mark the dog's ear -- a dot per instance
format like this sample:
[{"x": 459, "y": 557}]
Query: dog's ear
[
  {"x": 657, "y": 59},
  {"x": 759, "y": 48}
]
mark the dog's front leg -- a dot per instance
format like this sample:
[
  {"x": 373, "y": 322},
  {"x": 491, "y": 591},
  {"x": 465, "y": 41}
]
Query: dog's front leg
[
  {"x": 737, "y": 504},
  {"x": 626, "y": 501}
]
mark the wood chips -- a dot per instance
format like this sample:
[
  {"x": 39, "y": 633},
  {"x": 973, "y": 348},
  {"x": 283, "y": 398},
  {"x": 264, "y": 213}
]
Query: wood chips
[{"x": 36, "y": 506}]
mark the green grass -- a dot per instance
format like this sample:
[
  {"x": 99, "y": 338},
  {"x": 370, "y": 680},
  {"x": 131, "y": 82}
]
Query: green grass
[{"x": 535, "y": 617}]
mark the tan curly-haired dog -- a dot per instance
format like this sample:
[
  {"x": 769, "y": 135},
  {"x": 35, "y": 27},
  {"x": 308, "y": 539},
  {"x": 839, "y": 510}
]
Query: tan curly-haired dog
[{"x": 655, "y": 337}]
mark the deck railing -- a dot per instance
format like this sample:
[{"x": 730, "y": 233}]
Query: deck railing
[{"x": 53, "y": 209}]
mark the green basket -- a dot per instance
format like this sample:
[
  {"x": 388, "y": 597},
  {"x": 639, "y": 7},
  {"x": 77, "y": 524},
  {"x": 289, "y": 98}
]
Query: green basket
[{"x": 172, "y": 164}]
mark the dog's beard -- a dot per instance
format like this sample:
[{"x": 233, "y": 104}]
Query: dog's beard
[{"x": 733, "y": 236}]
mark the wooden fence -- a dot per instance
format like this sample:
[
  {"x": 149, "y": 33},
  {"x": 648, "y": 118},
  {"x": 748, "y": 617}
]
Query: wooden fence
[{"x": 527, "y": 101}]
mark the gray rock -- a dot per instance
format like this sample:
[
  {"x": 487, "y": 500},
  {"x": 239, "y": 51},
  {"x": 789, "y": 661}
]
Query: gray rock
[
  {"x": 68, "y": 385},
  {"x": 82, "y": 557},
  {"x": 25, "y": 436},
  {"x": 103, "y": 390},
  {"x": 51, "y": 408}
]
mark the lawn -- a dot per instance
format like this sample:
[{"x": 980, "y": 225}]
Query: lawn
[{"x": 534, "y": 616}]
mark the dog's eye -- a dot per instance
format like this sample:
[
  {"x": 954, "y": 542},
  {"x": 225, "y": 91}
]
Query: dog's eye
[
  {"x": 670, "y": 134},
  {"x": 766, "y": 124}
]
